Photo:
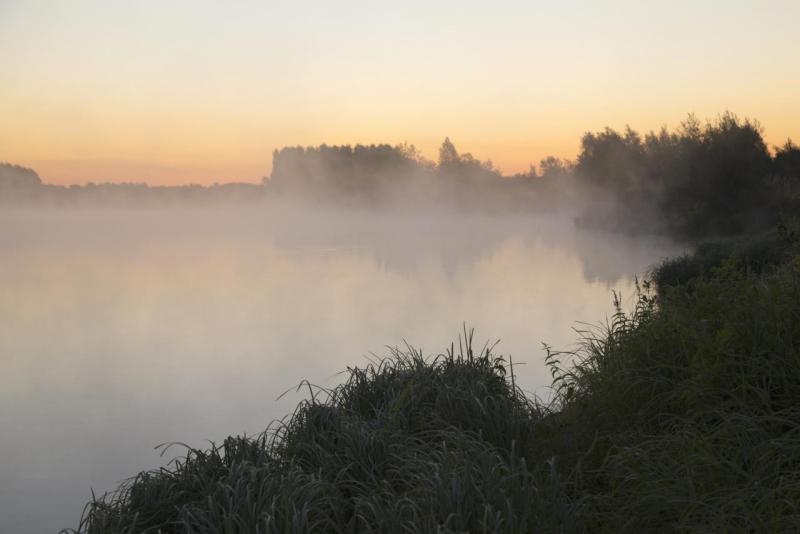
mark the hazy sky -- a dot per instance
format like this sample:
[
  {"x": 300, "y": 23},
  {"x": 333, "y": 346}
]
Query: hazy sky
[{"x": 203, "y": 91}]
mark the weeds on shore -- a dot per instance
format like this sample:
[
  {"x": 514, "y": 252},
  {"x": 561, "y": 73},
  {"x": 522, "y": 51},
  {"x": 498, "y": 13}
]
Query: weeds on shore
[{"x": 682, "y": 414}]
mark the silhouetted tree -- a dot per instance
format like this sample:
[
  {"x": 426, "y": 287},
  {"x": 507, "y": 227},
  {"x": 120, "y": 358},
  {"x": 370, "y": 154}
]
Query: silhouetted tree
[
  {"x": 724, "y": 189},
  {"x": 699, "y": 180},
  {"x": 553, "y": 168},
  {"x": 14, "y": 176},
  {"x": 787, "y": 161},
  {"x": 612, "y": 161},
  {"x": 18, "y": 184},
  {"x": 343, "y": 172},
  {"x": 448, "y": 155}
]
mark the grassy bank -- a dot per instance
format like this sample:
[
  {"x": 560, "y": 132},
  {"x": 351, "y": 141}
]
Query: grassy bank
[{"x": 681, "y": 415}]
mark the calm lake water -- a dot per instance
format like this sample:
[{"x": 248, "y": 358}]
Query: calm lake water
[{"x": 123, "y": 330}]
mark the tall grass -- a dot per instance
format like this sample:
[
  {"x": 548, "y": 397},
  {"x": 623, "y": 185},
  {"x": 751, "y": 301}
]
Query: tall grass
[{"x": 682, "y": 414}]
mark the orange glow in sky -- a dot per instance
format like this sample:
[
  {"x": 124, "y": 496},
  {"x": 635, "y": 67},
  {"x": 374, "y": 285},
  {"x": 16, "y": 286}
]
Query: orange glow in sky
[{"x": 203, "y": 92}]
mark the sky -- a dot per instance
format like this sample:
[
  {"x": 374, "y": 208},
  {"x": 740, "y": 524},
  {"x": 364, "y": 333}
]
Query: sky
[{"x": 202, "y": 91}]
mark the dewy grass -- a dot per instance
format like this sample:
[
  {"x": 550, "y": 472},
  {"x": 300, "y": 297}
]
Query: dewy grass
[{"x": 680, "y": 415}]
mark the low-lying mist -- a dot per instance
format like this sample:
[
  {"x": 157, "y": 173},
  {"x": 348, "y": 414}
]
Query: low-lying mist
[
  {"x": 131, "y": 315},
  {"x": 125, "y": 327},
  {"x": 699, "y": 181}
]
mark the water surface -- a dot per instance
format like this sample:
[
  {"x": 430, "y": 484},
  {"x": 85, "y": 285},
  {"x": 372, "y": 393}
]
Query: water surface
[{"x": 123, "y": 330}]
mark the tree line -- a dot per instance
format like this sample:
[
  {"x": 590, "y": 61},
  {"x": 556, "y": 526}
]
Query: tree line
[{"x": 698, "y": 180}]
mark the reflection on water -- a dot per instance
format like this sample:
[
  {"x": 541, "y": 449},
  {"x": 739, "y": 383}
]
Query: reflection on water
[{"x": 120, "y": 331}]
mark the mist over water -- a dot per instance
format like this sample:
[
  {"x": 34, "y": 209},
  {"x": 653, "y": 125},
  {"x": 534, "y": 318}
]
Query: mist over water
[
  {"x": 121, "y": 330},
  {"x": 164, "y": 279}
]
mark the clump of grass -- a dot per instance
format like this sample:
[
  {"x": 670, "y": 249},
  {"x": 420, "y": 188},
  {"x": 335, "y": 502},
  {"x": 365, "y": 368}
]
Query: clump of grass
[
  {"x": 406, "y": 444},
  {"x": 692, "y": 400},
  {"x": 753, "y": 254},
  {"x": 680, "y": 415}
]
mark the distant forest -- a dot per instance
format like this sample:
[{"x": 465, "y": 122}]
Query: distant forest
[{"x": 700, "y": 180}]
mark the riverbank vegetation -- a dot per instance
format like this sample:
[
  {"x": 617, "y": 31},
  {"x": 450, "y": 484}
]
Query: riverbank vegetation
[
  {"x": 680, "y": 414},
  {"x": 695, "y": 182}
]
